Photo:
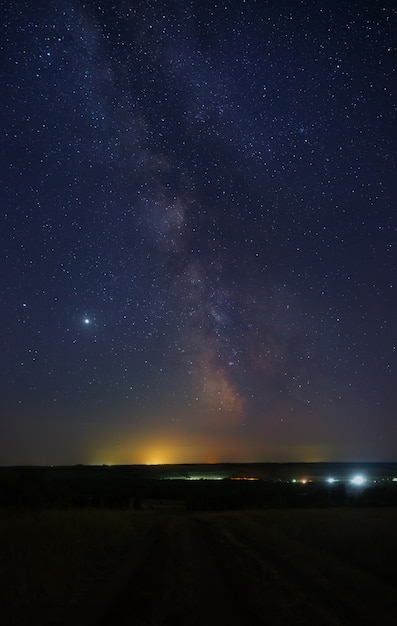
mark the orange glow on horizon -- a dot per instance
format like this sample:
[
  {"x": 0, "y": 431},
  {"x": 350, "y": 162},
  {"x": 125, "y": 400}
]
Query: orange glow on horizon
[{"x": 218, "y": 445}]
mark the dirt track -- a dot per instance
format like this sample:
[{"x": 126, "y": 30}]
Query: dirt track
[{"x": 209, "y": 569}]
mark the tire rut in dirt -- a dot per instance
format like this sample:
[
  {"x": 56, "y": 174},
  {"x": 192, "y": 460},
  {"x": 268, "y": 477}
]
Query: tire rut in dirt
[
  {"x": 177, "y": 584},
  {"x": 340, "y": 593},
  {"x": 138, "y": 600},
  {"x": 240, "y": 575},
  {"x": 265, "y": 592},
  {"x": 199, "y": 594},
  {"x": 282, "y": 585}
]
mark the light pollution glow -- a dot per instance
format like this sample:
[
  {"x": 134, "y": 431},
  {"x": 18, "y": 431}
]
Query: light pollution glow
[{"x": 220, "y": 448}]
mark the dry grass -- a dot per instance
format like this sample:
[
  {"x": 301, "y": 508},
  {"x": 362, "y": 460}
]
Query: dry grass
[
  {"x": 365, "y": 538},
  {"x": 324, "y": 566},
  {"x": 313, "y": 565},
  {"x": 51, "y": 561}
]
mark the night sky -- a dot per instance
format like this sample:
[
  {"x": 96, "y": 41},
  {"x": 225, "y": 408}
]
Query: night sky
[{"x": 199, "y": 231}]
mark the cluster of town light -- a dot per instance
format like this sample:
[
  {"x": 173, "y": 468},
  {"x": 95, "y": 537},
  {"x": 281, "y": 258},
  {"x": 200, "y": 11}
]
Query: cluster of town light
[{"x": 358, "y": 480}]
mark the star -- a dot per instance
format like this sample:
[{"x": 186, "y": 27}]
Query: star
[{"x": 207, "y": 230}]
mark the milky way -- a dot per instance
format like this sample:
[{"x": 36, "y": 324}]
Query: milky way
[{"x": 198, "y": 231}]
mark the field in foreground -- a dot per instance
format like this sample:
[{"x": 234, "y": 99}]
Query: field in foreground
[{"x": 276, "y": 567}]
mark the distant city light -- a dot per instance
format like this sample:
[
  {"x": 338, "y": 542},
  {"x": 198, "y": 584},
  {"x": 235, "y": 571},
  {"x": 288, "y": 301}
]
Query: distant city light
[
  {"x": 205, "y": 477},
  {"x": 330, "y": 480},
  {"x": 194, "y": 476},
  {"x": 358, "y": 480}
]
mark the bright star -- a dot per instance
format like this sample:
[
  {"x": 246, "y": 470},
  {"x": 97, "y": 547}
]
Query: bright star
[{"x": 87, "y": 320}]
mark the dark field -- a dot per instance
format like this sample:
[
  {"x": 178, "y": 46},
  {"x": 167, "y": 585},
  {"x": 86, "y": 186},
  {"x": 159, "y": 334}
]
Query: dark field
[{"x": 171, "y": 566}]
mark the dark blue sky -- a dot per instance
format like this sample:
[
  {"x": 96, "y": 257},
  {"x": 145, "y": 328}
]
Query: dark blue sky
[{"x": 199, "y": 231}]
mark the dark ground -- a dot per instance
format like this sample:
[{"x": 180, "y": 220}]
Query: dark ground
[
  {"x": 246, "y": 568},
  {"x": 100, "y": 546}
]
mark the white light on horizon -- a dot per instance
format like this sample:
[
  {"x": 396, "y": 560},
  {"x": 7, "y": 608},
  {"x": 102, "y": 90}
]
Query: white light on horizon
[{"x": 358, "y": 480}]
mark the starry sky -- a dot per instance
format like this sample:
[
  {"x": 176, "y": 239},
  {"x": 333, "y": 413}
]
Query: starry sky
[{"x": 198, "y": 231}]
